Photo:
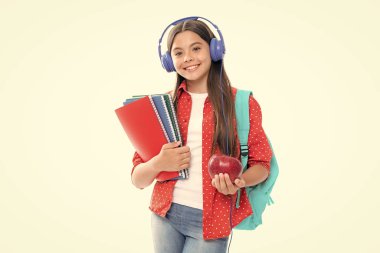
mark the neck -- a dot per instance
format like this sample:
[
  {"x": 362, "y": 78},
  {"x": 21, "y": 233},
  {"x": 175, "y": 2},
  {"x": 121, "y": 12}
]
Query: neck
[{"x": 196, "y": 87}]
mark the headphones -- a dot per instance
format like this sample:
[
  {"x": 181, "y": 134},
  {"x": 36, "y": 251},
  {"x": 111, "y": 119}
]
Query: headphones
[{"x": 217, "y": 48}]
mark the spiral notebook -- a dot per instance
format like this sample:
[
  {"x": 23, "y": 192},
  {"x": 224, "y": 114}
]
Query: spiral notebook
[{"x": 149, "y": 122}]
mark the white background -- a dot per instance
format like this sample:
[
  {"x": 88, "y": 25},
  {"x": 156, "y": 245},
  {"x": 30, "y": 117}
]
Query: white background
[{"x": 65, "y": 162}]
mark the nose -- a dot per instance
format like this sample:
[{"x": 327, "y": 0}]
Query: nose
[{"x": 188, "y": 57}]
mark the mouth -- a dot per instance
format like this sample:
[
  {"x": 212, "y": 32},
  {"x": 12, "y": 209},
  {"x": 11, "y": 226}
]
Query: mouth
[{"x": 192, "y": 68}]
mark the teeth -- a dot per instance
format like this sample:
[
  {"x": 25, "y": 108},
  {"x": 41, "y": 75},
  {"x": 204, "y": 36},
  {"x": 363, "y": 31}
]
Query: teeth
[{"x": 192, "y": 67}]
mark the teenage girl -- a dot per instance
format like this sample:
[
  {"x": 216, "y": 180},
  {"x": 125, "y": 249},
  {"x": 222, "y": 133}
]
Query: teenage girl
[{"x": 195, "y": 214}]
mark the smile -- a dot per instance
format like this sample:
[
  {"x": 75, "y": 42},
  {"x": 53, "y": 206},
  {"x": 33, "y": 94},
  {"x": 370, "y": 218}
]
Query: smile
[{"x": 192, "y": 68}]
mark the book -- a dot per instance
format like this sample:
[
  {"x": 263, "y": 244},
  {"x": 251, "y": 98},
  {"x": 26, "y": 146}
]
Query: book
[
  {"x": 148, "y": 124},
  {"x": 165, "y": 109},
  {"x": 173, "y": 117}
]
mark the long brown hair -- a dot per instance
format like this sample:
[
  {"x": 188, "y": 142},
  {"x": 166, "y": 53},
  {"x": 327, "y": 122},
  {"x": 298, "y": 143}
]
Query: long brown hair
[{"x": 224, "y": 124}]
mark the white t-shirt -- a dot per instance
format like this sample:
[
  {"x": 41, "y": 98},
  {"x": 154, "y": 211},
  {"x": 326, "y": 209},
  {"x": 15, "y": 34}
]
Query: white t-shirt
[{"x": 189, "y": 191}]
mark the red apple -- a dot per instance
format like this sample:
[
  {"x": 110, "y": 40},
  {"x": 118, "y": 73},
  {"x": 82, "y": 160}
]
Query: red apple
[{"x": 225, "y": 164}]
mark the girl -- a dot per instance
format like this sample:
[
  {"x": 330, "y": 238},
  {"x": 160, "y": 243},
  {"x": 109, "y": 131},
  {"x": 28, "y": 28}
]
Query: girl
[{"x": 196, "y": 215}]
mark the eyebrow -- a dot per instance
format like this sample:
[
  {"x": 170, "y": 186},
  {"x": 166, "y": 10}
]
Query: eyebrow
[{"x": 192, "y": 44}]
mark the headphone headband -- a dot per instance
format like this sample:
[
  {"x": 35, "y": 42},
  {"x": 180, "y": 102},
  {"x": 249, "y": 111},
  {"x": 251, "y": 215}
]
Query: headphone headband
[{"x": 189, "y": 18}]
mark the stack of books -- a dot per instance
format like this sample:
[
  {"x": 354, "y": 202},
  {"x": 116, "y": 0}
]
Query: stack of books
[{"x": 150, "y": 122}]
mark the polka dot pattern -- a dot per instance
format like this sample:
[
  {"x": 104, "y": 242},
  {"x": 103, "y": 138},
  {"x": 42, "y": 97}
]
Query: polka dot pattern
[{"x": 216, "y": 206}]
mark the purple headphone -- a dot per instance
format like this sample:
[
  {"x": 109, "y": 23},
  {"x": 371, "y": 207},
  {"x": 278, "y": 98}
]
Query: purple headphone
[{"x": 217, "y": 48}]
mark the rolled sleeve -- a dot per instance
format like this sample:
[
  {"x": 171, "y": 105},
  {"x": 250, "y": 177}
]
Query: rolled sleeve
[
  {"x": 136, "y": 160},
  {"x": 258, "y": 144}
]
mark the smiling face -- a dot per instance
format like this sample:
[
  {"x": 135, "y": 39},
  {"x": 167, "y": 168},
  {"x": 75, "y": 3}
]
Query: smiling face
[{"x": 191, "y": 58}]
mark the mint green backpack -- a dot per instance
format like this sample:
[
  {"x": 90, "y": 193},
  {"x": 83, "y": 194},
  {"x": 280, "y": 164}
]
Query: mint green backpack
[{"x": 258, "y": 195}]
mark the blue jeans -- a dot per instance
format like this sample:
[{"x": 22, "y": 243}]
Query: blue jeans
[{"x": 181, "y": 232}]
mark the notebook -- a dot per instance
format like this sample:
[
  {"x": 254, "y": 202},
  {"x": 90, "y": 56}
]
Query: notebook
[{"x": 150, "y": 122}]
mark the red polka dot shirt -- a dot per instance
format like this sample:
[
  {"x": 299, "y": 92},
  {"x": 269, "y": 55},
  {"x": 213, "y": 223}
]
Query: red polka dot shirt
[{"x": 216, "y": 206}]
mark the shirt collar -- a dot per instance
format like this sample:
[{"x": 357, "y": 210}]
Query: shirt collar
[{"x": 182, "y": 87}]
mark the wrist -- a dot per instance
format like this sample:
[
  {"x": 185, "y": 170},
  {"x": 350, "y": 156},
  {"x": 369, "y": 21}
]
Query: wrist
[
  {"x": 243, "y": 181},
  {"x": 154, "y": 164}
]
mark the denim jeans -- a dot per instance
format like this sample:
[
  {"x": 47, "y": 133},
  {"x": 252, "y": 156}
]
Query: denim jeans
[{"x": 181, "y": 232}]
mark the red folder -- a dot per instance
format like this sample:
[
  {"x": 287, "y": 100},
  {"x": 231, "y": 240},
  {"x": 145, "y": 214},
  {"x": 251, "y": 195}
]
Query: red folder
[{"x": 143, "y": 128}]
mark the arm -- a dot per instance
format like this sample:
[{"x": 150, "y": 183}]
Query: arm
[
  {"x": 170, "y": 158},
  {"x": 254, "y": 175},
  {"x": 144, "y": 174},
  {"x": 260, "y": 152},
  {"x": 259, "y": 156}
]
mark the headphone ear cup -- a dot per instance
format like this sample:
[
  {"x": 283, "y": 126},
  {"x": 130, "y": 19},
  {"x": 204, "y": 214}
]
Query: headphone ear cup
[
  {"x": 216, "y": 50},
  {"x": 167, "y": 62}
]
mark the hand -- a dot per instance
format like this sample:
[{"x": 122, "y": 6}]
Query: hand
[
  {"x": 223, "y": 184},
  {"x": 172, "y": 157}
]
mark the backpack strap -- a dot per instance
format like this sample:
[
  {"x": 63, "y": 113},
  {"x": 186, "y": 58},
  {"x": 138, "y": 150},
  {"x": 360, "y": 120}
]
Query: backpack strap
[
  {"x": 242, "y": 125},
  {"x": 258, "y": 195}
]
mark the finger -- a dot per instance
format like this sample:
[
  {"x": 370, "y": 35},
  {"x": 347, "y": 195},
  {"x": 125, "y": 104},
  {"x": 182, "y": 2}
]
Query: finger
[
  {"x": 213, "y": 182},
  {"x": 180, "y": 158},
  {"x": 186, "y": 160},
  {"x": 171, "y": 145},
  {"x": 229, "y": 185},
  {"x": 184, "y": 166},
  {"x": 217, "y": 182},
  {"x": 223, "y": 185},
  {"x": 184, "y": 149},
  {"x": 185, "y": 156},
  {"x": 239, "y": 183}
]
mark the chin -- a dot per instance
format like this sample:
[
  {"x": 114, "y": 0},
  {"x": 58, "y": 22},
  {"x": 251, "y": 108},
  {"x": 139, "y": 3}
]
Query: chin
[{"x": 194, "y": 78}]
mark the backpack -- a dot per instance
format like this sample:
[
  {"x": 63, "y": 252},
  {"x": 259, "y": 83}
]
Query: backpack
[{"x": 258, "y": 195}]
